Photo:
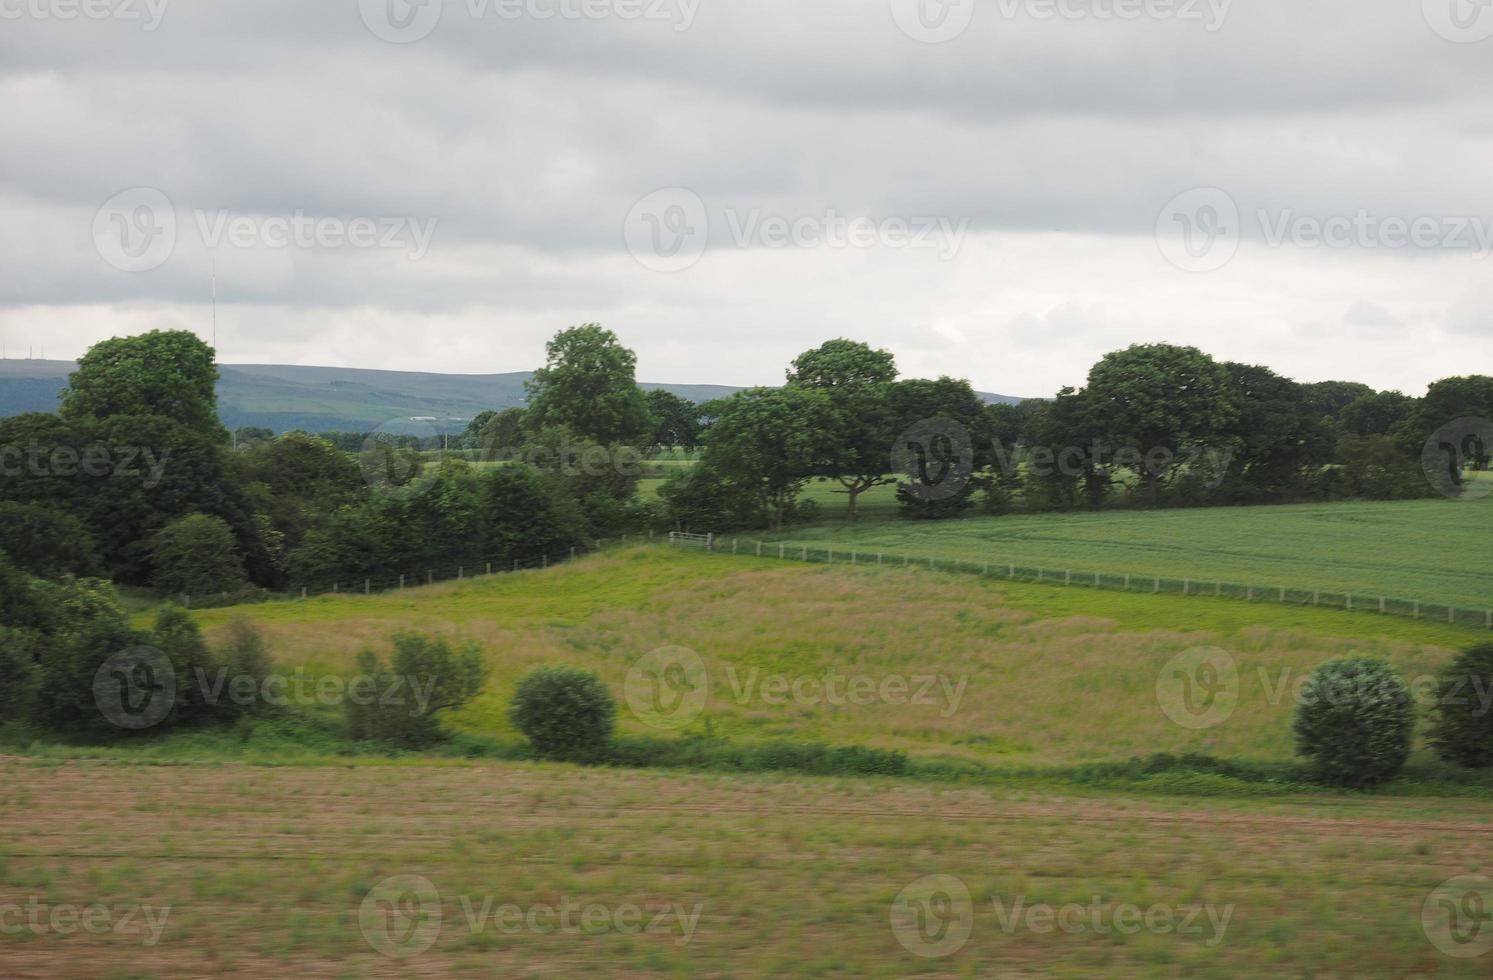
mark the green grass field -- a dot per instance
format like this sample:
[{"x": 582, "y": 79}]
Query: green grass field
[
  {"x": 1030, "y": 675},
  {"x": 262, "y": 857},
  {"x": 1436, "y": 551}
]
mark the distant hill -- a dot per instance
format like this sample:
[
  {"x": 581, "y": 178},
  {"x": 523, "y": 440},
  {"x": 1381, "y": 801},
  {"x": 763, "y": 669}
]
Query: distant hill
[{"x": 326, "y": 399}]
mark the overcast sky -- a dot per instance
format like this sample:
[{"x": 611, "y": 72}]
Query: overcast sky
[{"x": 1001, "y": 190}]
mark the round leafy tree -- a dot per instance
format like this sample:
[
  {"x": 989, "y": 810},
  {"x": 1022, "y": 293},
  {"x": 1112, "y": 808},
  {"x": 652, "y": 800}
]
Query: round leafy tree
[
  {"x": 564, "y": 711},
  {"x": 1354, "y": 722},
  {"x": 1463, "y": 730}
]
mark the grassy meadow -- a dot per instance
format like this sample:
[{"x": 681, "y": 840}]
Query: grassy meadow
[
  {"x": 261, "y": 856},
  {"x": 1027, "y": 675},
  {"x": 1436, "y": 551}
]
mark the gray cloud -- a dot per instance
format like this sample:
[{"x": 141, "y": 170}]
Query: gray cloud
[{"x": 526, "y": 143}]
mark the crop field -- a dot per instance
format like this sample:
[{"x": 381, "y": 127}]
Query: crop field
[
  {"x": 1001, "y": 673},
  {"x": 407, "y": 871},
  {"x": 1432, "y": 550}
]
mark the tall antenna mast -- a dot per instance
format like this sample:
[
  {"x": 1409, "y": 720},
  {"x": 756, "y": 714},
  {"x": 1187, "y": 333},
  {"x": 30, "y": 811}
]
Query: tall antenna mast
[{"x": 215, "y": 305}]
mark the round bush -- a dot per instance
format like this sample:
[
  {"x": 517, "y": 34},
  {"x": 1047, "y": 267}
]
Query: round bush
[
  {"x": 1463, "y": 730},
  {"x": 564, "y": 711},
  {"x": 1354, "y": 722}
]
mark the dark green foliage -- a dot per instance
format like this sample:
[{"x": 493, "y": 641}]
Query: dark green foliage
[
  {"x": 398, "y": 703},
  {"x": 166, "y": 373},
  {"x": 20, "y": 675},
  {"x": 177, "y": 635},
  {"x": 1462, "y": 732},
  {"x": 196, "y": 555},
  {"x": 676, "y": 421},
  {"x": 1374, "y": 467},
  {"x": 767, "y": 442},
  {"x": 771, "y": 756},
  {"x": 85, "y": 627},
  {"x": 1354, "y": 722},
  {"x": 588, "y": 385},
  {"x": 47, "y": 542},
  {"x": 564, "y": 711},
  {"x": 464, "y": 516}
]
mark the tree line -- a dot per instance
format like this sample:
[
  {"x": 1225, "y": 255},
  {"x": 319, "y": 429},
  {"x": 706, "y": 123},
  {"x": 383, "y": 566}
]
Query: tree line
[{"x": 135, "y": 479}]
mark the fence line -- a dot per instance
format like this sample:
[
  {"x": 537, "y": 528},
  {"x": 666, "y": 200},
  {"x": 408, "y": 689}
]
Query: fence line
[
  {"x": 371, "y": 584},
  {"x": 1154, "y": 584}
]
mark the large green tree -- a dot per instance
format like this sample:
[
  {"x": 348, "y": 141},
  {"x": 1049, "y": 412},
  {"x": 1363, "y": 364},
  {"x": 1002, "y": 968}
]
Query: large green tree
[
  {"x": 770, "y": 441},
  {"x": 941, "y": 426},
  {"x": 165, "y": 372},
  {"x": 1278, "y": 436},
  {"x": 676, "y": 421},
  {"x": 1161, "y": 401},
  {"x": 858, "y": 381},
  {"x": 588, "y": 385}
]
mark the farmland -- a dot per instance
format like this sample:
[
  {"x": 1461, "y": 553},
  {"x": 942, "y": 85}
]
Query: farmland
[
  {"x": 1431, "y": 550},
  {"x": 265, "y": 873},
  {"x": 258, "y": 858},
  {"x": 1053, "y": 676}
]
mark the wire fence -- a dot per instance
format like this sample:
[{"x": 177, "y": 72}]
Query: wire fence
[
  {"x": 381, "y": 583},
  {"x": 1155, "y": 584}
]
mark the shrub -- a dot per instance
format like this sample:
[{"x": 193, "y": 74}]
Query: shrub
[
  {"x": 1354, "y": 722},
  {"x": 19, "y": 674},
  {"x": 399, "y": 703},
  {"x": 1463, "y": 730},
  {"x": 177, "y": 635},
  {"x": 244, "y": 655},
  {"x": 564, "y": 711},
  {"x": 196, "y": 554}
]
